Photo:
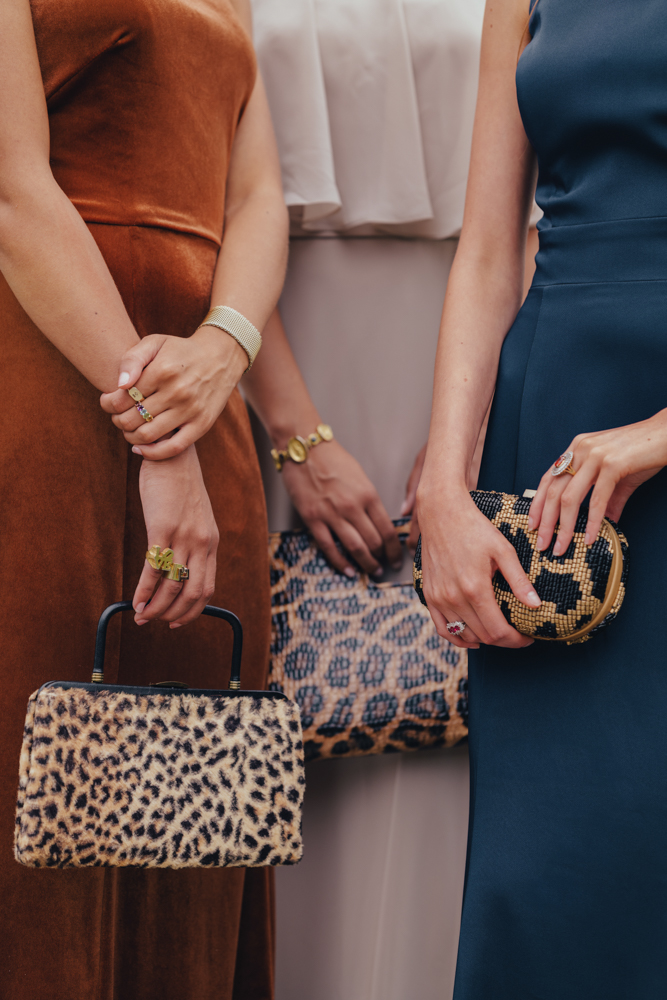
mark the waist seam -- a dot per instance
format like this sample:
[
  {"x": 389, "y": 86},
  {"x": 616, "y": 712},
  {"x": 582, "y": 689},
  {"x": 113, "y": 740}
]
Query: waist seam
[
  {"x": 151, "y": 225},
  {"x": 607, "y": 281},
  {"x": 600, "y": 222}
]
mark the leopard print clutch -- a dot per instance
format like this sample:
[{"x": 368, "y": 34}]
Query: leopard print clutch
[
  {"x": 362, "y": 660},
  {"x": 116, "y": 775},
  {"x": 581, "y": 590}
]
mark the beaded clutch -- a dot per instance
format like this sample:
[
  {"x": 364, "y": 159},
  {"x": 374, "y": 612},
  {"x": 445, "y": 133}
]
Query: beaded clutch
[
  {"x": 581, "y": 590},
  {"x": 362, "y": 660}
]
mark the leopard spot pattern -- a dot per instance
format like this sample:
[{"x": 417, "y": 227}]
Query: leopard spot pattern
[
  {"x": 115, "y": 778},
  {"x": 572, "y": 586},
  {"x": 363, "y": 661}
]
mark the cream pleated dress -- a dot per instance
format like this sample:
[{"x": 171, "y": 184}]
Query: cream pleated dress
[{"x": 373, "y": 102}]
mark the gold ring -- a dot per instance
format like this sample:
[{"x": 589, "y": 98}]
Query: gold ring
[
  {"x": 563, "y": 464},
  {"x": 163, "y": 561},
  {"x": 138, "y": 398}
]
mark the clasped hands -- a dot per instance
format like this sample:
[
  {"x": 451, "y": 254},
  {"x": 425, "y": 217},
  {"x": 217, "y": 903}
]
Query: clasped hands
[{"x": 186, "y": 382}]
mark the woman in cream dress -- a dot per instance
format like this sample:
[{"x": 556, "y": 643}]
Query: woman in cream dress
[{"x": 372, "y": 102}]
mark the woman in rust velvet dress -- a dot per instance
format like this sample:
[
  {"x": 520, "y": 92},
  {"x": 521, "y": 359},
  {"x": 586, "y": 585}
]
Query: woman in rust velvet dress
[{"x": 146, "y": 108}]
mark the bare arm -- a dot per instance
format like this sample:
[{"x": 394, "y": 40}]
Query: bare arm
[
  {"x": 532, "y": 246},
  {"x": 47, "y": 254},
  {"x": 461, "y": 549},
  {"x": 187, "y": 381},
  {"x": 251, "y": 266},
  {"x": 485, "y": 286},
  {"x": 330, "y": 491},
  {"x": 53, "y": 266}
]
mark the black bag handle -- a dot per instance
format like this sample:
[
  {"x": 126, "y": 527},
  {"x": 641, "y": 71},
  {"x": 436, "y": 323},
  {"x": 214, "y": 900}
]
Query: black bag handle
[{"x": 113, "y": 609}]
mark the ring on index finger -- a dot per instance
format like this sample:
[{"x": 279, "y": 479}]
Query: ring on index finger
[{"x": 564, "y": 464}]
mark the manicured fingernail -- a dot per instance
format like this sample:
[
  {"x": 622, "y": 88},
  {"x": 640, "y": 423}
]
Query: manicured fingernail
[
  {"x": 587, "y": 539},
  {"x": 175, "y": 624},
  {"x": 531, "y": 524},
  {"x": 142, "y": 621},
  {"x": 140, "y": 607},
  {"x": 350, "y": 572},
  {"x": 533, "y": 599},
  {"x": 123, "y": 378},
  {"x": 540, "y": 540},
  {"x": 137, "y": 451},
  {"x": 558, "y": 548}
]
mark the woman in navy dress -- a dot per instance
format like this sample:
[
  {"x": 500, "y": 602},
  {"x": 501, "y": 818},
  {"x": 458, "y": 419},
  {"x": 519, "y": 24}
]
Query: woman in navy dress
[{"x": 566, "y": 893}]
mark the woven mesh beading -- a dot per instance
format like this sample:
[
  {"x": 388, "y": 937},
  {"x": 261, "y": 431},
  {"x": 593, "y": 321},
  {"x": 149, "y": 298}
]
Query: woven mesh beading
[
  {"x": 363, "y": 661},
  {"x": 571, "y": 586}
]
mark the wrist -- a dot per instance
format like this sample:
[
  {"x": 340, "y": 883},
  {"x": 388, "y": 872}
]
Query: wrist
[
  {"x": 434, "y": 491},
  {"x": 293, "y": 425},
  {"x": 221, "y": 347},
  {"x": 238, "y": 327}
]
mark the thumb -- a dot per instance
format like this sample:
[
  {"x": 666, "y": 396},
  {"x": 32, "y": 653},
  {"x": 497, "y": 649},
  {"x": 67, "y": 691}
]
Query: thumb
[
  {"x": 137, "y": 358},
  {"x": 131, "y": 367}
]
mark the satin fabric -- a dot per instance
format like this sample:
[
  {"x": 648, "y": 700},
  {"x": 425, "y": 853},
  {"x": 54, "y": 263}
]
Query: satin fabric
[
  {"x": 140, "y": 142},
  {"x": 372, "y": 102},
  {"x": 566, "y": 892}
]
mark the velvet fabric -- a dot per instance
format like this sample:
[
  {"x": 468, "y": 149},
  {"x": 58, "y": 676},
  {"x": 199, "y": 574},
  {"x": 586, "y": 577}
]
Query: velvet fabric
[{"x": 144, "y": 97}]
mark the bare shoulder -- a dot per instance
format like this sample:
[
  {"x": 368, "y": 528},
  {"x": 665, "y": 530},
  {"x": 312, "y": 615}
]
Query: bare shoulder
[{"x": 244, "y": 11}]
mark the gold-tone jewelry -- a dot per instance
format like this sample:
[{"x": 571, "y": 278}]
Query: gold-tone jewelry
[
  {"x": 237, "y": 326},
  {"x": 163, "y": 561},
  {"x": 298, "y": 447},
  {"x": 138, "y": 398},
  {"x": 563, "y": 464}
]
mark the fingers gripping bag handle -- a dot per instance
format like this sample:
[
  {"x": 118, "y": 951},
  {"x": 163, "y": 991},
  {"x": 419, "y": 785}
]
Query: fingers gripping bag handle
[{"x": 113, "y": 609}]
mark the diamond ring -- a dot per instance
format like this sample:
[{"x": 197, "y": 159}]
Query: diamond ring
[
  {"x": 563, "y": 464},
  {"x": 456, "y": 628}
]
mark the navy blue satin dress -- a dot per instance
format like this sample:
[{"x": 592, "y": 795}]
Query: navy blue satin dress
[{"x": 566, "y": 888}]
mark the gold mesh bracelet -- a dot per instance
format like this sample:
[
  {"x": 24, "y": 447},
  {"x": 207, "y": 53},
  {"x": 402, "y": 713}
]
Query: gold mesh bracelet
[{"x": 238, "y": 327}]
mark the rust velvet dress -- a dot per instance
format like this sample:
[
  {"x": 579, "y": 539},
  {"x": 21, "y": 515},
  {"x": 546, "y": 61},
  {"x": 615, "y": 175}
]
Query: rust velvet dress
[{"x": 144, "y": 97}]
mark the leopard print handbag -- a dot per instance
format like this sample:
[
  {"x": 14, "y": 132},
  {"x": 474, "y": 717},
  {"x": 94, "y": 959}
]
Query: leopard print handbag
[
  {"x": 581, "y": 590},
  {"x": 159, "y": 777},
  {"x": 362, "y": 660}
]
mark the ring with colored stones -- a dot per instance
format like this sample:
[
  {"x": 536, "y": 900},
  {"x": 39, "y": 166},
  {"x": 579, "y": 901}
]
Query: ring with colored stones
[
  {"x": 456, "y": 628},
  {"x": 138, "y": 401},
  {"x": 163, "y": 561},
  {"x": 563, "y": 464}
]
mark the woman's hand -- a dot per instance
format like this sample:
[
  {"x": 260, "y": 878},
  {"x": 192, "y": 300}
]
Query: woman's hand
[
  {"x": 186, "y": 382},
  {"x": 332, "y": 493},
  {"x": 461, "y": 551},
  {"x": 178, "y": 516},
  {"x": 408, "y": 505},
  {"x": 614, "y": 463}
]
